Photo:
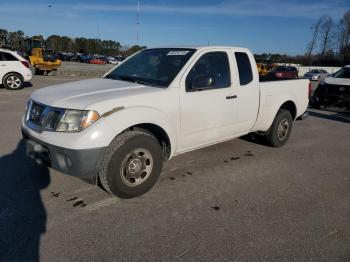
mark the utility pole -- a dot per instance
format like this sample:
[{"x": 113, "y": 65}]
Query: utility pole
[{"x": 137, "y": 21}]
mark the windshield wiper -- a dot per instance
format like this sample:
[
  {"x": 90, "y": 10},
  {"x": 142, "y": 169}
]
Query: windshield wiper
[
  {"x": 137, "y": 80},
  {"x": 133, "y": 79},
  {"x": 111, "y": 77}
]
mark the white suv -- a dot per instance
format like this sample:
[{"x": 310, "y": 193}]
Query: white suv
[{"x": 14, "y": 69}]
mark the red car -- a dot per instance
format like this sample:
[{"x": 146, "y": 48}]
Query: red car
[
  {"x": 284, "y": 72},
  {"x": 97, "y": 61}
]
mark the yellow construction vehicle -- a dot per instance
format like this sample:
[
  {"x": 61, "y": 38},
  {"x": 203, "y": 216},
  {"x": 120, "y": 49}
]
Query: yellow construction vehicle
[
  {"x": 264, "y": 66},
  {"x": 262, "y": 69},
  {"x": 43, "y": 60}
]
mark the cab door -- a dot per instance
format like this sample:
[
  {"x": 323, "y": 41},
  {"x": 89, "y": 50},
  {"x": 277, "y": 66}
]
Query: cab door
[
  {"x": 207, "y": 100},
  {"x": 248, "y": 93}
]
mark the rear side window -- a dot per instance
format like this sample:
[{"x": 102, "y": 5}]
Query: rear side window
[
  {"x": 8, "y": 57},
  {"x": 244, "y": 68}
]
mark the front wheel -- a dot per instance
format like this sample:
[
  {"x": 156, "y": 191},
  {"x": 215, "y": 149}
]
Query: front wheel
[
  {"x": 13, "y": 81},
  {"x": 281, "y": 128},
  {"x": 132, "y": 164}
]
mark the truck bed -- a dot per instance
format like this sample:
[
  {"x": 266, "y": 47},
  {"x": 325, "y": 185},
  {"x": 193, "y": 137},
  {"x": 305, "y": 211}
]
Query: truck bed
[{"x": 276, "y": 92}]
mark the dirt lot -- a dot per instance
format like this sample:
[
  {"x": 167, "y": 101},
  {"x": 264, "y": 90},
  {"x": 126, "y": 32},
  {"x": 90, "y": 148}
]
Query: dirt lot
[{"x": 237, "y": 201}]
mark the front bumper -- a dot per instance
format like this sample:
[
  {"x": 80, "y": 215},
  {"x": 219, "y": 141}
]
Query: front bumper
[{"x": 82, "y": 163}]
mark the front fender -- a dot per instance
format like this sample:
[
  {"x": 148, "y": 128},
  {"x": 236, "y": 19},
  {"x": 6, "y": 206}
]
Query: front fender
[
  {"x": 131, "y": 116},
  {"x": 102, "y": 132}
]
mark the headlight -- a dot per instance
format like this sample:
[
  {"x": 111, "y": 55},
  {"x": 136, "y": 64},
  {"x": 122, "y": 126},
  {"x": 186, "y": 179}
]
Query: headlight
[{"x": 76, "y": 120}]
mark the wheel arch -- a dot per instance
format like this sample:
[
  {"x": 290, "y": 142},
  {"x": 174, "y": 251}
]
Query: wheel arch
[
  {"x": 12, "y": 72},
  {"x": 289, "y": 106},
  {"x": 158, "y": 132}
]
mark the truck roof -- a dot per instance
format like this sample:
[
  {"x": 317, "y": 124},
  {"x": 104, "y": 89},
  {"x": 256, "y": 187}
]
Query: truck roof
[{"x": 203, "y": 47}]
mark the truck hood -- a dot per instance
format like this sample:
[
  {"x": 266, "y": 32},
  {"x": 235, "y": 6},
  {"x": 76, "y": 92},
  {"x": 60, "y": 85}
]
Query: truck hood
[
  {"x": 337, "y": 81},
  {"x": 87, "y": 93}
]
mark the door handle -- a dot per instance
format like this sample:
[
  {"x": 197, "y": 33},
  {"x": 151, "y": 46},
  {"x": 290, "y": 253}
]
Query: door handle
[
  {"x": 3, "y": 65},
  {"x": 231, "y": 97}
]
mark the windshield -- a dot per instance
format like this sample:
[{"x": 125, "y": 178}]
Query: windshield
[
  {"x": 343, "y": 73},
  {"x": 156, "y": 67},
  {"x": 315, "y": 71}
]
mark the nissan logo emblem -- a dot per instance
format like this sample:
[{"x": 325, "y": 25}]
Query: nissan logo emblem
[{"x": 35, "y": 114}]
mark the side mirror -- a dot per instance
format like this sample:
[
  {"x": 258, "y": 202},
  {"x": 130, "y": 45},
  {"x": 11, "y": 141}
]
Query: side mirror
[{"x": 202, "y": 83}]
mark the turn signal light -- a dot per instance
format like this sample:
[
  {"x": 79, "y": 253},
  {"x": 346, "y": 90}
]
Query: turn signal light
[{"x": 89, "y": 118}]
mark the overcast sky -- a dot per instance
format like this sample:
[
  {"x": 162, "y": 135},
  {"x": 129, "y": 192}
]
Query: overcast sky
[{"x": 263, "y": 26}]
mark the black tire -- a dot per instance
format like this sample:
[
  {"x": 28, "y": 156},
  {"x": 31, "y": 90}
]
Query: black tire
[
  {"x": 113, "y": 173},
  {"x": 38, "y": 72},
  {"x": 13, "y": 81},
  {"x": 321, "y": 99},
  {"x": 281, "y": 129}
]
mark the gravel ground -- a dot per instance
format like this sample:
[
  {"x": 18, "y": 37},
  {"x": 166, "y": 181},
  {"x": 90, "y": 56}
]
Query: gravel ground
[
  {"x": 236, "y": 201},
  {"x": 74, "y": 69}
]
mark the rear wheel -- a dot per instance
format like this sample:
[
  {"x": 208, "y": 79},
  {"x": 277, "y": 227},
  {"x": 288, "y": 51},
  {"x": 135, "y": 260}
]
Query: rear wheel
[
  {"x": 13, "y": 81},
  {"x": 132, "y": 164},
  {"x": 281, "y": 128}
]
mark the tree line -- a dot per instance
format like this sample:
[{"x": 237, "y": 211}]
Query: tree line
[
  {"x": 17, "y": 40},
  {"x": 329, "y": 44},
  {"x": 330, "y": 41}
]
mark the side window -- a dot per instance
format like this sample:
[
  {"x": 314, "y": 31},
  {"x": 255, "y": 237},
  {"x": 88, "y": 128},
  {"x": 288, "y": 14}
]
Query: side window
[
  {"x": 244, "y": 68},
  {"x": 9, "y": 57},
  {"x": 215, "y": 65},
  {"x": 1, "y": 58}
]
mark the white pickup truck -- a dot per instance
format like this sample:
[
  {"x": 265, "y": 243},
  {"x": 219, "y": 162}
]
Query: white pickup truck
[{"x": 157, "y": 104}]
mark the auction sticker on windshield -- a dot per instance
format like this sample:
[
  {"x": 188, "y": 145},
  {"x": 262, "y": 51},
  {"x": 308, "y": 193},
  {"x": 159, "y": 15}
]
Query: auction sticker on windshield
[{"x": 177, "y": 53}]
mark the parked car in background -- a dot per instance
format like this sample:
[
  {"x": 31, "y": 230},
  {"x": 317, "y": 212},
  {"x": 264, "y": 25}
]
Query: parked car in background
[
  {"x": 334, "y": 91},
  {"x": 159, "y": 103},
  {"x": 112, "y": 60},
  {"x": 97, "y": 61},
  {"x": 316, "y": 74},
  {"x": 283, "y": 72},
  {"x": 67, "y": 56},
  {"x": 14, "y": 69},
  {"x": 120, "y": 58},
  {"x": 85, "y": 58}
]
